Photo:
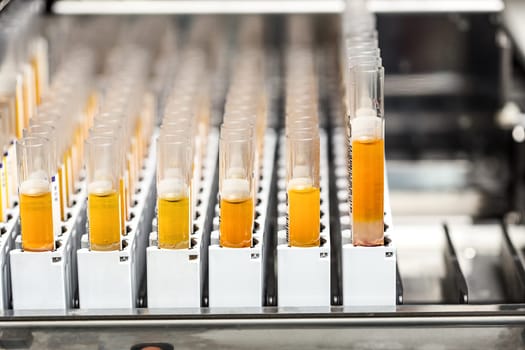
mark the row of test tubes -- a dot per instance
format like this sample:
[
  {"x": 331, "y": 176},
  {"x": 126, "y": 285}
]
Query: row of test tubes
[
  {"x": 23, "y": 81},
  {"x": 242, "y": 137},
  {"x": 302, "y": 138},
  {"x": 117, "y": 145},
  {"x": 181, "y": 148},
  {"x": 50, "y": 153},
  {"x": 364, "y": 77}
]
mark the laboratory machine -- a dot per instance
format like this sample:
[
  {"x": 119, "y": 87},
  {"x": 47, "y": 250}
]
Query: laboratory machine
[{"x": 246, "y": 174}]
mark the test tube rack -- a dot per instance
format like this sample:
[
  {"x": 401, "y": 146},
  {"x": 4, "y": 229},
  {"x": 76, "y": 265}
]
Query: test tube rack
[
  {"x": 236, "y": 274},
  {"x": 303, "y": 274},
  {"x": 368, "y": 273},
  {"x": 176, "y": 277},
  {"x": 54, "y": 273},
  {"x": 9, "y": 229},
  {"x": 112, "y": 279}
]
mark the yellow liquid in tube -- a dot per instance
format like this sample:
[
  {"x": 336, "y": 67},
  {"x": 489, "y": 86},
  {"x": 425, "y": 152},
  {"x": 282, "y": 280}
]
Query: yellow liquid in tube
[
  {"x": 28, "y": 93},
  {"x": 67, "y": 177},
  {"x": 34, "y": 64},
  {"x": 36, "y": 216},
  {"x": 122, "y": 202},
  {"x": 368, "y": 192},
  {"x": 61, "y": 192},
  {"x": 3, "y": 192},
  {"x": 131, "y": 178},
  {"x": 174, "y": 218},
  {"x": 103, "y": 217},
  {"x": 8, "y": 180},
  {"x": 304, "y": 212},
  {"x": 236, "y": 214},
  {"x": 19, "y": 108}
]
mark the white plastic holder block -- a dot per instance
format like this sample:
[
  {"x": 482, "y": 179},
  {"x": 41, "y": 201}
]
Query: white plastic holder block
[
  {"x": 10, "y": 229},
  {"x": 175, "y": 276},
  {"x": 369, "y": 275},
  {"x": 106, "y": 279},
  {"x": 235, "y": 275},
  {"x": 43, "y": 286},
  {"x": 111, "y": 279},
  {"x": 47, "y": 280},
  {"x": 303, "y": 275}
]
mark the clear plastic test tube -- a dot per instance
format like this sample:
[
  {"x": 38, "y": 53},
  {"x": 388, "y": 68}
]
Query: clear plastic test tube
[
  {"x": 115, "y": 131},
  {"x": 48, "y": 132},
  {"x": 365, "y": 60},
  {"x": 174, "y": 169},
  {"x": 303, "y": 187},
  {"x": 102, "y": 160},
  {"x": 367, "y": 139},
  {"x": 36, "y": 207},
  {"x": 4, "y": 144},
  {"x": 103, "y": 124},
  {"x": 236, "y": 187}
]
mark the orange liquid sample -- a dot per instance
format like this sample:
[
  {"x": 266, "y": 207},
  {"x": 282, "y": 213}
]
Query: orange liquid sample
[
  {"x": 104, "y": 221},
  {"x": 368, "y": 192},
  {"x": 61, "y": 192},
  {"x": 36, "y": 221},
  {"x": 304, "y": 214},
  {"x": 67, "y": 175},
  {"x": 38, "y": 73},
  {"x": 236, "y": 223},
  {"x": 123, "y": 206},
  {"x": 19, "y": 109}
]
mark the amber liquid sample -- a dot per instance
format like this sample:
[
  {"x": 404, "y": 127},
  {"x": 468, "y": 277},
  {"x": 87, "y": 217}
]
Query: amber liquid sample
[
  {"x": 368, "y": 192},
  {"x": 28, "y": 94},
  {"x": 3, "y": 195},
  {"x": 104, "y": 220},
  {"x": 8, "y": 178},
  {"x": 236, "y": 223},
  {"x": 36, "y": 219},
  {"x": 60, "y": 191},
  {"x": 68, "y": 178},
  {"x": 38, "y": 73},
  {"x": 123, "y": 205},
  {"x": 19, "y": 109},
  {"x": 174, "y": 222},
  {"x": 304, "y": 212}
]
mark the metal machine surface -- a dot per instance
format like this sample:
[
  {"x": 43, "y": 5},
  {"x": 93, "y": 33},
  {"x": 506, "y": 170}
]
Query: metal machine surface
[{"x": 455, "y": 138}]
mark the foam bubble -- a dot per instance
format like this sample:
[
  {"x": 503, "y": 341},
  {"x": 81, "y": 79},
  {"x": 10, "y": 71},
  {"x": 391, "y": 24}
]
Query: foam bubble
[
  {"x": 366, "y": 126},
  {"x": 171, "y": 189},
  {"x": 33, "y": 187},
  {"x": 100, "y": 187},
  {"x": 235, "y": 189},
  {"x": 300, "y": 183}
]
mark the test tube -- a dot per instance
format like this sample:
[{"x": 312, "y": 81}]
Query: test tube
[
  {"x": 303, "y": 189},
  {"x": 116, "y": 130},
  {"x": 48, "y": 132},
  {"x": 367, "y": 139},
  {"x": 36, "y": 208},
  {"x": 174, "y": 168},
  {"x": 4, "y": 142},
  {"x": 236, "y": 169},
  {"x": 102, "y": 160}
]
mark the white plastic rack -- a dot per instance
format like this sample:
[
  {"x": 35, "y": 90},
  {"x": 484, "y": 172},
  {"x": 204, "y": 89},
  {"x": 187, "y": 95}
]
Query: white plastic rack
[
  {"x": 111, "y": 280},
  {"x": 54, "y": 273},
  {"x": 236, "y": 274},
  {"x": 303, "y": 274},
  {"x": 175, "y": 277},
  {"x": 368, "y": 273}
]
